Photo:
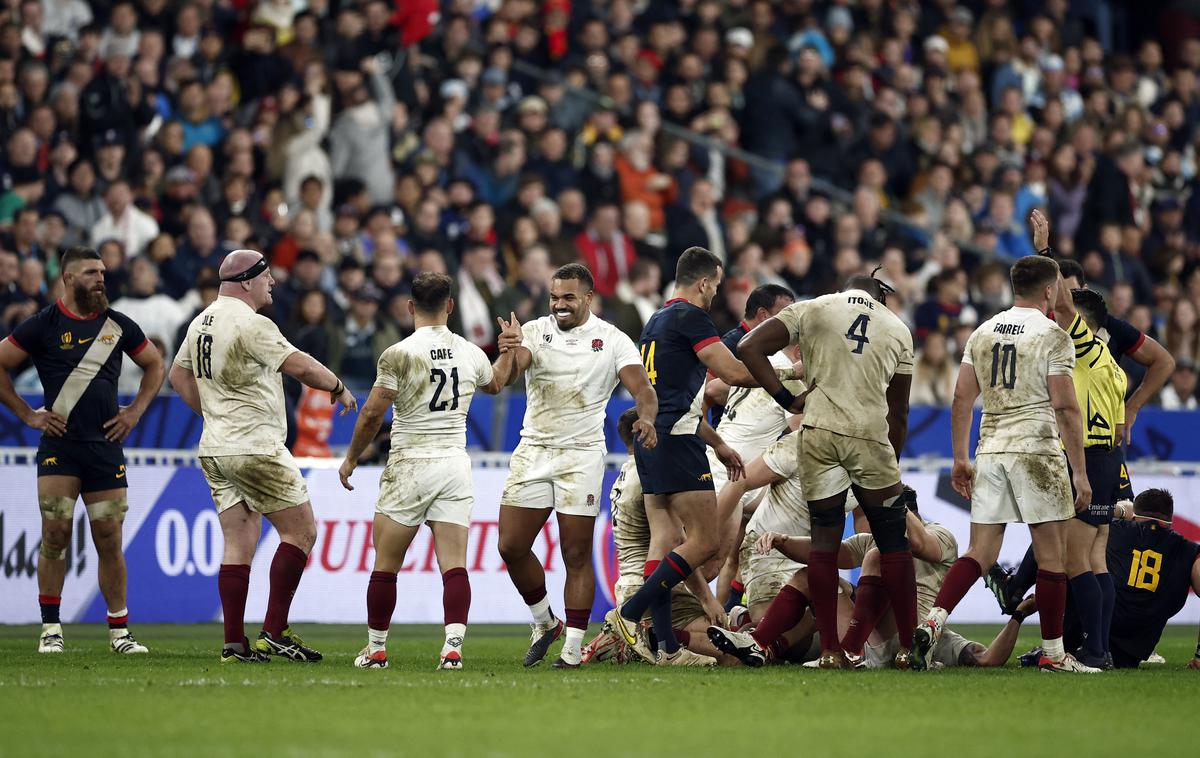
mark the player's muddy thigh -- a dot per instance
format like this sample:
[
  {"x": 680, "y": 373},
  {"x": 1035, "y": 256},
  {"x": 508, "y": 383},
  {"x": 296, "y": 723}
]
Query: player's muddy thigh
[
  {"x": 449, "y": 544},
  {"x": 296, "y": 526},
  {"x": 391, "y": 540},
  {"x": 519, "y": 527},
  {"x": 240, "y": 528},
  {"x": 1047, "y": 546},
  {"x": 575, "y": 542},
  {"x": 106, "y": 536}
]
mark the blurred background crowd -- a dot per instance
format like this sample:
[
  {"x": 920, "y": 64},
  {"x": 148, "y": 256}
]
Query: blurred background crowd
[{"x": 358, "y": 143}]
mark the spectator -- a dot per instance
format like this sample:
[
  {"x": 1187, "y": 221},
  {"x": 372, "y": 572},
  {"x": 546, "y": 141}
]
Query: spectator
[
  {"x": 945, "y": 308},
  {"x": 123, "y": 221},
  {"x": 159, "y": 315},
  {"x": 481, "y": 296},
  {"x": 1183, "y": 331},
  {"x": 310, "y": 325},
  {"x": 1180, "y": 393},
  {"x": 697, "y": 223},
  {"x": 934, "y": 373},
  {"x": 360, "y": 134},
  {"x": 605, "y": 250},
  {"x": 641, "y": 180},
  {"x": 356, "y": 347}
]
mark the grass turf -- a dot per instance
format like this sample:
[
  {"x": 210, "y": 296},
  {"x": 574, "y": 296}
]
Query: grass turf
[{"x": 181, "y": 701}]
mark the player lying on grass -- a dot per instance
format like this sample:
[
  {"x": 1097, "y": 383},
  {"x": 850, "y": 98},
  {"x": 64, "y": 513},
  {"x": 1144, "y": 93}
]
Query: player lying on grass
[
  {"x": 1154, "y": 567},
  {"x": 429, "y": 380},
  {"x": 228, "y": 371},
  {"x": 77, "y": 346},
  {"x": 871, "y": 637}
]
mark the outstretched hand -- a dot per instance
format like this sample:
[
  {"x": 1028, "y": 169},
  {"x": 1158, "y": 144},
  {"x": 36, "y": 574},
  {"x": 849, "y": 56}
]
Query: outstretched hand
[
  {"x": 510, "y": 336},
  {"x": 1041, "y": 230}
]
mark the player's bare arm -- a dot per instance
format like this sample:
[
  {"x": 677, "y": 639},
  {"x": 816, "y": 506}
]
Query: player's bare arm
[
  {"x": 798, "y": 548},
  {"x": 727, "y": 455},
  {"x": 308, "y": 371},
  {"x": 923, "y": 545},
  {"x": 1159, "y": 364},
  {"x": 1070, "y": 428},
  {"x": 966, "y": 391},
  {"x": 370, "y": 417},
  {"x": 756, "y": 349},
  {"x": 43, "y": 420},
  {"x": 725, "y": 366},
  {"x": 897, "y": 401},
  {"x": 637, "y": 383},
  {"x": 150, "y": 361},
  {"x": 716, "y": 393},
  {"x": 183, "y": 381}
]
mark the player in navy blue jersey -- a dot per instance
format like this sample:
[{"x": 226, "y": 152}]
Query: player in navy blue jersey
[
  {"x": 677, "y": 345},
  {"x": 76, "y": 345}
]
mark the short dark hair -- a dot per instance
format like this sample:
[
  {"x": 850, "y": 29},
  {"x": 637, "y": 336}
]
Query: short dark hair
[
  {"x": 695, "y": 264},
  {"x": 1070, "y": 268},
  {"x": 1031, "y": 273},
  {"x": 1155, "y": 503},
  {"x": 576, "y": 271},
  {"x": 1091, "y": 306},
  {"x": 74, "y": 254},
  {"x": 625, "y": 426},
  {"x": 868, "y": 284},
  {"x": 430, "y": 291},
  {"x": 765, "y": 296}
]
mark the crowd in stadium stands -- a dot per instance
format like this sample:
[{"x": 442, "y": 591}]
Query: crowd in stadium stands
[{"x": 360, "y": 142}]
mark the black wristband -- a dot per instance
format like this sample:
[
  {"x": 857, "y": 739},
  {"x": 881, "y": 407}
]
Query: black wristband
[
  {"x": 1046, "y": 251},
  {"x": 338, "y": 389},
  {"x": 784, "y": 398},
  {"x": 1018, "y": 616}
]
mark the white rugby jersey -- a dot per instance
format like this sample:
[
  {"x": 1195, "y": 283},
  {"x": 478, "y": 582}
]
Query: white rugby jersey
[
  {"x": 930, "y": 575},
  {"x": 1013, "y": 354},
  {"x": 235, "y": 355},
  {"x": 434, "y": 374},
  {"x": 852, "y": 346},
  {"x": 752, "y": 419},
  {"x": 570, "y": 379},
  {"x": 784, "y": 508}
]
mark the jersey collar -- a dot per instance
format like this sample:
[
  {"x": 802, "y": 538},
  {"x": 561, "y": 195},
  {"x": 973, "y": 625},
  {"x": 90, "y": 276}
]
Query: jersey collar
[
  {"x": 62, "y": 307},
  {"x": 745, "y": 327}
]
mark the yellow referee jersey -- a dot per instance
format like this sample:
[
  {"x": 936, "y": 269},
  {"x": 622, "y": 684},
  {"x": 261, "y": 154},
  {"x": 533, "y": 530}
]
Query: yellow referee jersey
[{"x": 1099, "y": 386}]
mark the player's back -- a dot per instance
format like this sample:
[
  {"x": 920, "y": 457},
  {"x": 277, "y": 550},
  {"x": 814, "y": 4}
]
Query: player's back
[
  {"x": 1151, "y": 566},
  {"x": 669, "y": 345},
  {"x": 851, "y": 346},
  {"x": 235, "y": 355},
  {"x": 434, "y": 373},
  {"x": 1100, "y": 385},
  {"x": 1013, "y": 355},
  {"x": 751, "y": 418}
]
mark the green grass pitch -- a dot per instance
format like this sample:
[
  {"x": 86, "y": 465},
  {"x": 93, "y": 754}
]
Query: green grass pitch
[{"x": 180, "y": 701}]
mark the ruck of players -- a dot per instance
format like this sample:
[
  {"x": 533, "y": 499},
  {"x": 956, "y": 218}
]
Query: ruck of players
[{"x": 762, "y": 464}]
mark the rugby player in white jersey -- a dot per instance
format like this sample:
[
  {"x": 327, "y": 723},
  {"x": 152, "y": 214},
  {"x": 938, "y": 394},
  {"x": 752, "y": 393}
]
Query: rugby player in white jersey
[
  {"x": 228, "y": 371},
  {"x": 572, "y": 361},
  {"x": 858, "y": 358},
  {"x": 1022, "y": 363},
  {"x": 428, "y": 380}
]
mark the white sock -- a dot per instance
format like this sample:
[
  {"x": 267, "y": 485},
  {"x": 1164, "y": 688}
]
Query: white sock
[
  {"x": 454, "y": 635},
  {"x": 376, "y": 639},
  {"x": 570, "y": 652},
  {"x": 541, "y": 611},
  {"x": 1053, "y": 649},
  {"x": 121, "y": 631}
]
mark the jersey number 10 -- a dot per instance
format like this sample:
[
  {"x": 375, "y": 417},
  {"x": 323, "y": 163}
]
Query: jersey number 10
[
  {"x": 438, "y": 376},
  {"x": 1004, "y": 366}
]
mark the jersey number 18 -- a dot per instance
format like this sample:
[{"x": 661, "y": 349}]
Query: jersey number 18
[{"x": 204, "y": 356}]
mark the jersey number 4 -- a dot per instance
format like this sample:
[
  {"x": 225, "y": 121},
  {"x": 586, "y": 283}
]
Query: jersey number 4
[
  {"x": 648, "y": 361},
  {"x": 858, "y": 333},
  {"x": 204, "y": 356},
  {"x": 438, "y": 377}
]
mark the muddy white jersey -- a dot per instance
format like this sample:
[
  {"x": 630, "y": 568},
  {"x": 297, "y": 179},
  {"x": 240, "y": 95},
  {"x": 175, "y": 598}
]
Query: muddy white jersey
[
  {"x": 570, "y": 380},
  {"x": 1013, "y": 354},
  {"x": 235, "y": 355},
  {"x": 434, "y": 374},
  {"x": 752, "y": 419},
  {"x": 851, "y": 346}
]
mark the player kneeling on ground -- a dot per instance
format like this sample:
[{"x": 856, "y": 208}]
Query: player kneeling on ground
[
  {"x": 429, "y": 380},
  {"x": 227, "y": 371},
  {"x": 76, "y": 346}
]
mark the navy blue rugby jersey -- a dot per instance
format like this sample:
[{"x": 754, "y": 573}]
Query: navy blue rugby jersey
[
  {"x": 669, "y": 345},
  {"x": 78, "y": 361}
]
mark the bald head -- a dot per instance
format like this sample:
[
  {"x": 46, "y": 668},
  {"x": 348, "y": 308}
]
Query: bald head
[{"x": 256, "y": 291}]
